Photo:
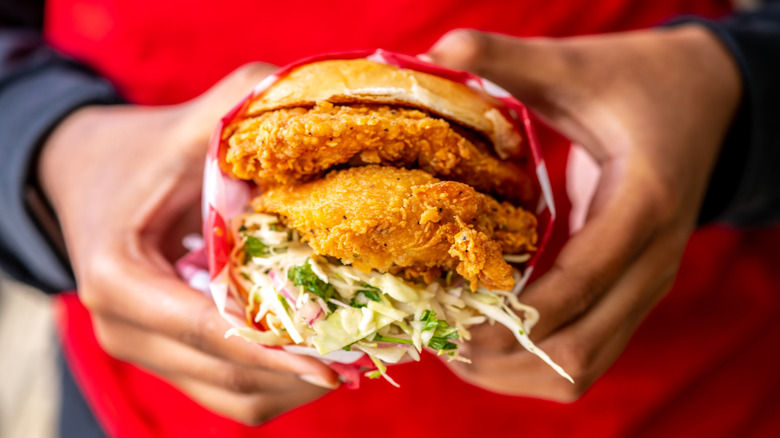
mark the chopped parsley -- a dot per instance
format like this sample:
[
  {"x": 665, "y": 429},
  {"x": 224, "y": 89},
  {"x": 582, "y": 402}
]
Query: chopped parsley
[
  {"x": 303, "y": 276},
  {"x": 380, "y": 338},
  {"x": 442, "y": 334},
  {"x": 348, "y": 347},
  {"x": 442, "y": 343},
  {"x": 254, "y": 247},
  {"x": 369, "y": 292}
]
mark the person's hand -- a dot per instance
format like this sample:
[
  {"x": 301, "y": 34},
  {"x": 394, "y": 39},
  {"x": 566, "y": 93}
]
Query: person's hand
[
  {"x": 125, "y": 183},
  {"x": 652, "y": 108}
]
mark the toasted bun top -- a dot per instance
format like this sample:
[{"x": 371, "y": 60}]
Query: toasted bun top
[{"x": 364, "y": 81}]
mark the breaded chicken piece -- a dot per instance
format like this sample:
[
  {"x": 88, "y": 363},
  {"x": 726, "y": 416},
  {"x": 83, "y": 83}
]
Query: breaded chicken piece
[
  {"x": 405, "y": 221},
  {"x": 300, "y": 144}
]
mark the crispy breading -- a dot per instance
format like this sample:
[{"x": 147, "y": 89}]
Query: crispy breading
[
  {"x": 405, "y": 221},
  {"x": 300, "y": 144}
]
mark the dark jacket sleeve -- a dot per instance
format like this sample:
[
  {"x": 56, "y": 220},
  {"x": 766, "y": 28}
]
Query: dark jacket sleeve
[
  {"x": 38, "y": 88},
  {"x": 745, "y": 187}
]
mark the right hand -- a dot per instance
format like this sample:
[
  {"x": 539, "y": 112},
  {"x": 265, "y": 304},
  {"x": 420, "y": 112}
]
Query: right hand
[
  {"x": 125, "y": 182},
  {"x": 652, "y": 108}
]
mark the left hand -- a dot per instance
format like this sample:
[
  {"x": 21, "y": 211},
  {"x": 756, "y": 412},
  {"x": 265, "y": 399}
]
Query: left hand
[
  {"x": 652, "y": 108},
  {"x": 125, "y": 182}
]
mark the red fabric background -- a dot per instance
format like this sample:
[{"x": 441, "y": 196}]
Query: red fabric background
[
  {"x": 170, "y": 51},
  {"x": 703, "y": 364}
]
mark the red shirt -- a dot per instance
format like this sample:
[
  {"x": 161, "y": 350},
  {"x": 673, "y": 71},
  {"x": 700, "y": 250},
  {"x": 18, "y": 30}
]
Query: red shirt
[{"x": 702, "y": 364}]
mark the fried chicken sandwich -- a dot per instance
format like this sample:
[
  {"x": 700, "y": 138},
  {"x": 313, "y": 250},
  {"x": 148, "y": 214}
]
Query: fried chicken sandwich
[{"x": 390, "y": 216}]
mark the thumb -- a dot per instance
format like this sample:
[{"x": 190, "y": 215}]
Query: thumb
[
  {"x": 202, "y": 113},
  {"x": 226, "y": 93},
  {"x": 235, "y": 86},
  {"x": 526, "y": 67}
]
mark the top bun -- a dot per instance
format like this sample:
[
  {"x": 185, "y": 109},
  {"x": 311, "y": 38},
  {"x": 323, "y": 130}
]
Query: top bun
[{"x": 364, "y": 81}]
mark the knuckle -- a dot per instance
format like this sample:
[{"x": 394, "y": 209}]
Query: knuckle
[
  {"x": 584, "y": 289},
  {"x": 580, "y": 301},
  {"x": 568, "y": 57},
  {"x": 466, "y": 49},
  {"x": 193, "y": 121},
  {"x": 254, "y": 70},
  {"x": 574, "y": 356},
  {"x": 256, "y": 418},
  {"x": 245, "y": 77},
  {"x": 198, "y": 332},
  {"x": 256, "y": 411},
  {"x": 90, "y": 296},
  {"x": 107, "y": 339},
  {"x": 567, "y": 392},
  {"x": 664, "y": 202},
  {"x": 579, "y": 361},
  {"x": 194, "y": 334},
  {"x": 239, "y": 381},
  {"x": 95, "y": 278}
]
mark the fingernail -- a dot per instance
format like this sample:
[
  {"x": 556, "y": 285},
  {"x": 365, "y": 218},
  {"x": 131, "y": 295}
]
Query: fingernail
[
  {"x": 318, "y": 381},
  {"x": 425, "y": 58}
]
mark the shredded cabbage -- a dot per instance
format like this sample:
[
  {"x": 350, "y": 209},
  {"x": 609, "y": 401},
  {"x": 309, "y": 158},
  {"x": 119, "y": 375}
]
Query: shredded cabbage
[{"x": 311, "y": 301}]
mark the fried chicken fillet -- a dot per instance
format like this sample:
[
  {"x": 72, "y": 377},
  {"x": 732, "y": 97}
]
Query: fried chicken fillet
[
  {"x": 405, "y": 222},
  {"x": 293, "y": 145},
  {"x": 389, "y": 169}
]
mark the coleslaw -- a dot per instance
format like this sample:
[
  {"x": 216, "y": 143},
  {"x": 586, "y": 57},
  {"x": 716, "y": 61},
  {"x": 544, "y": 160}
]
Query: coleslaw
[{"x": 296, "y": 297}]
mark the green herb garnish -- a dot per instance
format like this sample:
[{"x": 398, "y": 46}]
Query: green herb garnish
[
  {"x": 370, "y": 292},
  {"x": 443, "y": 332},
  {"x": 254, "y": 247},
  {"x": 380, "y": 338},
  {"x": 303, "y": 276},
  {"x": 348, "y": 347},
  {"x": 374, "y": 374},
  {"x": 441, "y": 344}
]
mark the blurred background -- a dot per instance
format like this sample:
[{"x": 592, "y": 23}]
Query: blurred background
[{"x": 29, "y": 384}]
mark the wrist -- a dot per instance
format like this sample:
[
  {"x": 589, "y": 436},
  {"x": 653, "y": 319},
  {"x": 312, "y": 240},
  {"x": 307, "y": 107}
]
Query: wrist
[
  {"x": 59, "y": 153},
  {"x": 731, "y": 158},
  {"x": 708, "y": 49}
]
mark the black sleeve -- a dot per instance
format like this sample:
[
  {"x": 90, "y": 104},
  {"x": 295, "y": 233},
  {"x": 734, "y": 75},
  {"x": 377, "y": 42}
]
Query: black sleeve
[
  {"x": 745, "y": 187},
  {"x": 38, "y": 88}
]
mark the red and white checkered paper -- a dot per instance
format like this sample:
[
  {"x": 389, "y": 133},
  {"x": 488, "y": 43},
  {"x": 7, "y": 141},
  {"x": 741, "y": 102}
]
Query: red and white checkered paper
[{"x": 225, "y": 197}]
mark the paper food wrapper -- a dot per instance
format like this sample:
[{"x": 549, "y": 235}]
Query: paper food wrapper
[{"x": 225, "y": 197}]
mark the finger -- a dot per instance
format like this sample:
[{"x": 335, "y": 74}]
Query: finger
[
  {"x": 587, "y": 347},
  {"x": 202, "y": 113},
  {"x": 526, "y": 67},
  {"x": 591, "y": 344},
  {"x": 249, "y": 409},
  {"x": 537, "y": 71},
  {"x": 623, "y": 218},
  {"x": 237, "y": 85},
  {"x": 133, "y": 287},
  {"x": 166, "y": 356}
]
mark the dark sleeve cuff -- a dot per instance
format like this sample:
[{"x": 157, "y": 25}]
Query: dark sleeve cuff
[
  {"x": 35, "y": 94},
  {"x": 745, "y": 187}
]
